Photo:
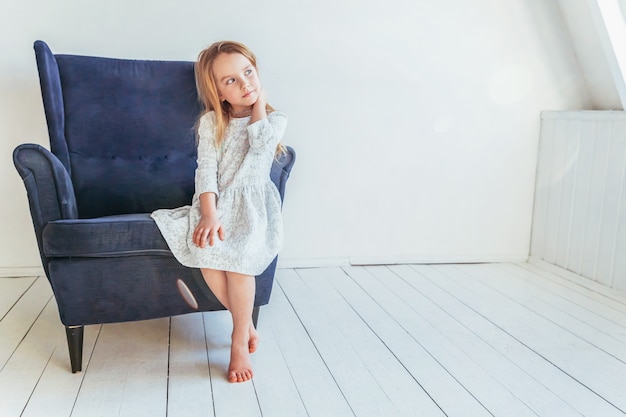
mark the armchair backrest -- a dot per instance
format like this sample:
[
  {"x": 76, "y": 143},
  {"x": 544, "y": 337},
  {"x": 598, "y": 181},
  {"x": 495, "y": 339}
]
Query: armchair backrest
[{"x": 123, "y": 129}]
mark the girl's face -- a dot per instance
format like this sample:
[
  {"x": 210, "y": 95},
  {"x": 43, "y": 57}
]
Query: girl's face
[{"x": 237, "y": 80}]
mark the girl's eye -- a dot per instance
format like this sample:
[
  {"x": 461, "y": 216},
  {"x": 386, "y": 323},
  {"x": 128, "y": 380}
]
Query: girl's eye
[
  {"x": 248, "y": 72},
  {"x": 230, "y": 81}
]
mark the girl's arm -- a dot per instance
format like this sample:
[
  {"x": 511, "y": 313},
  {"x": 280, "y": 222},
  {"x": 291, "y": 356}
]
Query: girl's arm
[
  {"x": 206, "y": 171},
  {"x": 209, "y": 227},
  {"x": 265, "y": 131}
]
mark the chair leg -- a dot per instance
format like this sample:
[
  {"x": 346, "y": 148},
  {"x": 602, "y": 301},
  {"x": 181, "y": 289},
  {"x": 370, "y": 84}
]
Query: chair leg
[
  {"x": 255, "y": 315},
  {"x": 75, "y": 344}
]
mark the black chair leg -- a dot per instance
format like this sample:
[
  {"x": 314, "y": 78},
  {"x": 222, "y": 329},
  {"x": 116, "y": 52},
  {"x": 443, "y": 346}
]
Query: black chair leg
[
  {"x": 255, "y": 315},
  {"x": 75, "y": 345}
]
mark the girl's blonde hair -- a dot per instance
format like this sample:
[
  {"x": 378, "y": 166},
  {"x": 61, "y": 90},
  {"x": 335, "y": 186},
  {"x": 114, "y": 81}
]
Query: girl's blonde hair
[{"x": 207, "y": 89}]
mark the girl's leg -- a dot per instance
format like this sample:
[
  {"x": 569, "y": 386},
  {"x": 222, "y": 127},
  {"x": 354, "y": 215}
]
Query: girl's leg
[
  {"x": 217, "y": 282},
  {"x": 241, "y": 289}
]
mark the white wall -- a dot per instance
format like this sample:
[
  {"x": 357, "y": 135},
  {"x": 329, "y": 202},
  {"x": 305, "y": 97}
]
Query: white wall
[{"x": 416, "y": 122}]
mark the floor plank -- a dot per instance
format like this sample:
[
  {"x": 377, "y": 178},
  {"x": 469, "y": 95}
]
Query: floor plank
[
  {"x": 576, "y": 358},
  {"x": 544, "y": 388},
  {"x": 386, "y": 346},
  {"x": 575, "y": 282},
  {"x": 189, "y": 384},
  {"x": 340, "y": 356},
  {"x": 276, "y": 388},
  {"x": 388, "y": 374},
  {"x": 11, "y": 289},
  {"x": 127, "y": 372},
  {"x": 23, "y": 370},
  {"x": 431, "y": 328},
  {"x": 57, "y": 388},
  {"x": 17, "y": 322},
  {"x": 314, "y": 382},
  {"x": 606, "y": 334},
  {"x": 591, "y": 312},
  {"x": 600, "y": 302},
  {"x": 496, "y": 364},
  {"x": 463, "y": 304},
  {"x": 393, "y": 325}
]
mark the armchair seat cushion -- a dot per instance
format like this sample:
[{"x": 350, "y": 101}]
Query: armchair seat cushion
[{"x": 104, "y": 237}]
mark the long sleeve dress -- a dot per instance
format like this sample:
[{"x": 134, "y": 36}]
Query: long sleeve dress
[{"x": 248, "y": 203}]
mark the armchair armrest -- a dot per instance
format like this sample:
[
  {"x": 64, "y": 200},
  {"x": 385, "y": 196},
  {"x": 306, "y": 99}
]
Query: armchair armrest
[{"x": 48, "y": 185}]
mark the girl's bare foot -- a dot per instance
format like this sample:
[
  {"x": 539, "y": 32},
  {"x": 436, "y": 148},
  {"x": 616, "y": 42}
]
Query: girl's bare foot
[
  {"x": 254, "y": 339},
  {"x": 240, "y": 368}
]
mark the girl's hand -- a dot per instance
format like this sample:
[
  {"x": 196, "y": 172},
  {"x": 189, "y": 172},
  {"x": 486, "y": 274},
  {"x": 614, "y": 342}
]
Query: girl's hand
[
  {"x": 258, "y": 108},
  {"x": 208, "y": 228},
  {"x": 261, "y": 100}
]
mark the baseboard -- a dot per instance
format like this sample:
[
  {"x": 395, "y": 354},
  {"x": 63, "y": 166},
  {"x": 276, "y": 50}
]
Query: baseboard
[
  {"x": 398, "y": 260},
  {"x": 19, "y": 272},
  {"x": 312, "y": 263},
  {"x": 394, "y": 260}
]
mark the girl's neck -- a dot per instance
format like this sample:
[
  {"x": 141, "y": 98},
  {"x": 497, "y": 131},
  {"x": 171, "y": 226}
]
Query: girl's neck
[{"x": 245, "y": 112}]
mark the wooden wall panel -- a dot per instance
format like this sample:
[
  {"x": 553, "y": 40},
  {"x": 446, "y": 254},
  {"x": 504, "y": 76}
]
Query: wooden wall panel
[{"x": 579, "y": 220}]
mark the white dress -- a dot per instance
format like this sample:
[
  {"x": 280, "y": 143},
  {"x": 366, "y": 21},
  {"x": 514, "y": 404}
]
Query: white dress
[{"x": 248, "y": 203}]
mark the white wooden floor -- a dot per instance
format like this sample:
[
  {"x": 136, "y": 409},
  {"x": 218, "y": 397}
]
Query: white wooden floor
[{"x": 446, "y": 340}]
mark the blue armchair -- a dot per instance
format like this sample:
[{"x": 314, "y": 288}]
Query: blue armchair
[{"x": 122, "y": 144}]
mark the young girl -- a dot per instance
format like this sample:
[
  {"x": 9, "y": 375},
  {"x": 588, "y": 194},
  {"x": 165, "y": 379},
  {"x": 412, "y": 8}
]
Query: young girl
[{"x": 233, "y": 229}]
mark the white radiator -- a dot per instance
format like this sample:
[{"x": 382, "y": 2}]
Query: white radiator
[{"x": 579, "y": 220}]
